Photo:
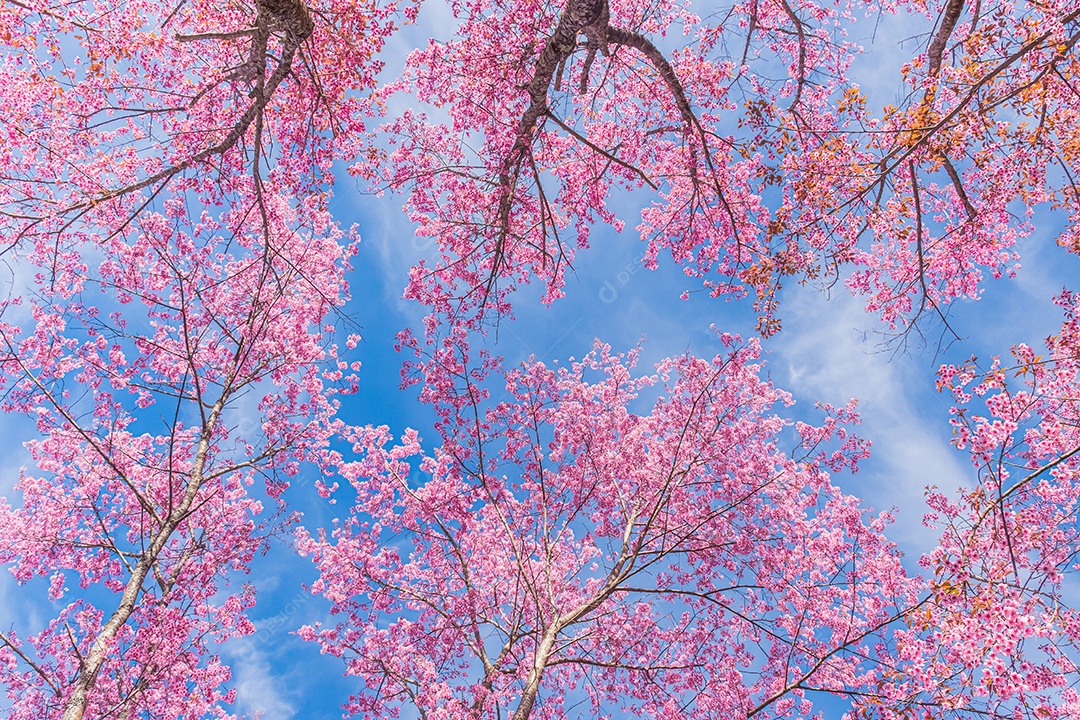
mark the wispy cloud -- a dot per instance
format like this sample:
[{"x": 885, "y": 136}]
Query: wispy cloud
[
  {"x": 258, "y": 689},
  {"x": 825, "y": 355}
]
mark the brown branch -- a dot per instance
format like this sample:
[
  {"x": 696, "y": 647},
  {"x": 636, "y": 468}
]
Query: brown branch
[
  {"x": 1023, "y": 482},
  {"x": 927, "y": 133},
  {"x": 295, "y": 19},
  {"x": 578, "y": 15},
  {"x": 588, "y": 17},
  {"x": 801, "y": 32},
  {"x": 918, "y": 239},
  {"x": 292, "y": 15},
  {"x": 600, "y": 151},
  {"x": 678, "y": 93},
  {"x": 948, "y": 22},
  {"x": 4, "y": 639},
  {"x": 246, "y": 32},
  {"x": 958, "y": 186}
]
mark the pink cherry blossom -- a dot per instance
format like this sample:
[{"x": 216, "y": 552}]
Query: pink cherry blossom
[{"x": 668, "y": 562}]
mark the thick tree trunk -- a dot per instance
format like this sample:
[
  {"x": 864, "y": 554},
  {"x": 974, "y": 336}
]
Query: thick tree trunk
[{"x": 536, "y": 674}]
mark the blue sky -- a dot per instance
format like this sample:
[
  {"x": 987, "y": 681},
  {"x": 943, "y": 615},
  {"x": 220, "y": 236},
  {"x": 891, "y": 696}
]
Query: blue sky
[{"x": 828, "y": 351}]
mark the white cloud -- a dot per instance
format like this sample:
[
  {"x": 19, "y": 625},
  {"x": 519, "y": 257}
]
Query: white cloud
[
  {"x": 826, "y": 356},
  {"x": 257, "y": 686}
]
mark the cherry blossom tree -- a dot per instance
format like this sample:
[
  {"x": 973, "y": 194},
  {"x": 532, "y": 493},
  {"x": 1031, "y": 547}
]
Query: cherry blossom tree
[
  {"x": 142, "y": 496},
  {"x": 164, "y": 208},
  {"x": 998, "y": 635},
  {"x": 568, "y": 555},
  {"x": 110, "y": 112},
  {"x": 762, "y": 156}
]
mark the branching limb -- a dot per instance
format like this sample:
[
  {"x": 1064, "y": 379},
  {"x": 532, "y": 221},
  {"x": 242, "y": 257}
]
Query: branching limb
[
  {"x": 34, "y": 666},
  {"x": 949, "y": 19}
]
